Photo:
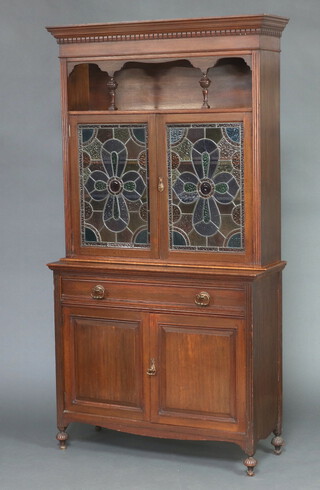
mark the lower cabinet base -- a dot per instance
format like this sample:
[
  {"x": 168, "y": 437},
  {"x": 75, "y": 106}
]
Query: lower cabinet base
[
  {"x": 250, "y": 462},
  {"x": 163, "y": 356}
]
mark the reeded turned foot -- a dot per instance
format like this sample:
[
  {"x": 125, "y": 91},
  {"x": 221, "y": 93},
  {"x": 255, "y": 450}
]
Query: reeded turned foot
[
  {"x": 62, "y": 438},
  {"x": 250, "y": 463},
  {"x": 278, "y": 443}
]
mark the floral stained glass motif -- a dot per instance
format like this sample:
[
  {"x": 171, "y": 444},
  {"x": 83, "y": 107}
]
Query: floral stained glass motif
[
  {"x": 114, "y": 200},
  {"x": 206, "y": 208}
]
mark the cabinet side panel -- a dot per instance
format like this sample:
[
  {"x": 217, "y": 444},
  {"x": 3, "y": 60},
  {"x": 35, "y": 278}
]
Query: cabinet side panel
[
  {"x": 65, "y": 153},
  {"x": 59, "y": 351},
  {"x": 270, "y": 156},
  {"x": 267, "y": 355}
]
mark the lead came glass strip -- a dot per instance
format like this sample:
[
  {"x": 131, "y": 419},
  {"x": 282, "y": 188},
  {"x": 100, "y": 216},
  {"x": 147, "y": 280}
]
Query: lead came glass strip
[
  {"x": 206, "y": 198},
  {"x": 114, "y": 192}
]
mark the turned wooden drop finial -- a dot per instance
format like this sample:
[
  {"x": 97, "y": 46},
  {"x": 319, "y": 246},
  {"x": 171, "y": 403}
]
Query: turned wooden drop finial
[
  {"x": 112, "y": 87},
  {"x": 205, "y": 84},
  {"x": 250, "y": 462},
  {"x": 62, "y": 437},
  {"x": 278, "y": 443}
]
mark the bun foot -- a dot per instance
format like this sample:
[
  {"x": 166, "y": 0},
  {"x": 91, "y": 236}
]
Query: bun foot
[
  {"x": 278, "y": 443},
  {"x": 250, "y": 463},
  {"x": 62, "y": 438}
]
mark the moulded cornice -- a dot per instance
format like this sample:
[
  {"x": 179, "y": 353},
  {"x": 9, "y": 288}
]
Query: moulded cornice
[{"x": 171, "y": 29}]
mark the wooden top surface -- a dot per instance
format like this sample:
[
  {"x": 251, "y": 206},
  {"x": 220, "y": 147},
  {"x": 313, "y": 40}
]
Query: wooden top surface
[
  {"x": 169, "y": 29},
  {"x": 152, "y": 269}
]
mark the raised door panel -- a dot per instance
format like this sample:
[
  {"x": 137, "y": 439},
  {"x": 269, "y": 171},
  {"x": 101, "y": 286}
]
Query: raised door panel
[
  {"x": 200, "y": 371},
  {"x": 103, "y": 357}
]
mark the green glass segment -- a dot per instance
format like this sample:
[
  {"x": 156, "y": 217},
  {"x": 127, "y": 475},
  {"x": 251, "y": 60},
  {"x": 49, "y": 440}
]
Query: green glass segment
[
  {"x": 129, "y": 186},
  {"x": 114, "y": 159},
  {"x": 222, "y": 188},
  {"x": 205, "y": 162},
  {"x": 100, "y": 186},
  {"x": 189, "y": 187}
]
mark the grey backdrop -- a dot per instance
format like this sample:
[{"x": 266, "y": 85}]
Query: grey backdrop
[{"x": 32, "y": 223}]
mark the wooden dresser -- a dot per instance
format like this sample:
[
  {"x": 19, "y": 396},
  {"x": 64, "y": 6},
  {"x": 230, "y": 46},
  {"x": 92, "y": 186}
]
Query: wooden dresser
[{"x": 168, "y": 302}]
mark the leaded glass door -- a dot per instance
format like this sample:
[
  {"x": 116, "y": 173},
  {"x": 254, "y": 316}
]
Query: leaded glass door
[
  {"x": 173, "y": 187},
  {"x": 209, "y": 183},
  {"x": 114, "y": 211}
]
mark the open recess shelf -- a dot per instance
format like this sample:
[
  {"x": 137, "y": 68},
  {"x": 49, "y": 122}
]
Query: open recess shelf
[{"x": 161, "y": 86}]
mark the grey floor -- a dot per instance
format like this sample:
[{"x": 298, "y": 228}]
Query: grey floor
[{"x": 30, "y": 458}]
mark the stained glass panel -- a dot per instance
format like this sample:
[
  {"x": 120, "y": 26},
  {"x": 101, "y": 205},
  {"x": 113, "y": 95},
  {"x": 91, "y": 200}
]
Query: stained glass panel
[
  {"x": 206, "y": 207},
  {"x": 114, "y": 201}
]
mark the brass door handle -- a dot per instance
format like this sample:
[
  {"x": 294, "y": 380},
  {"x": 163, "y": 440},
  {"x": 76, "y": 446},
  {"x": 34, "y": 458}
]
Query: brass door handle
[
  {"x": 160, "y": 184},
  {"x": 98, "y": 292},
  {"x": 152, "y": 369},
  {"x": 202, "y": 299}
]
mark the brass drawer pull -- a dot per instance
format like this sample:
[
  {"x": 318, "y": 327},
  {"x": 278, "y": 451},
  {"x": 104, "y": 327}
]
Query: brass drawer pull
[
  {"x": 202, "y": 299},
  {"x": 98, "y": 292},
  {"x": 152, "y": 369}
]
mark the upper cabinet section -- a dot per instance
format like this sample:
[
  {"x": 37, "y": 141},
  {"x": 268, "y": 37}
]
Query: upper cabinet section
[{"x": 171, "y": 140}]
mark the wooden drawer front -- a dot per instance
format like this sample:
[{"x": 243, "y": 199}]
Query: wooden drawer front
[{"x": 200, "y": 297}]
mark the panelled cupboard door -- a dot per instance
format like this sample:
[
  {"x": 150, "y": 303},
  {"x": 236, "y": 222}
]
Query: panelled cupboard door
[
  {"x": 200, "y": 378},
  {"x": 103, "y": 362},
  {"x": 112, "y": 172}
]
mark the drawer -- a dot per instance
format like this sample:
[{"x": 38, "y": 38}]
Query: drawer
[{"x": 153, "y": 294}]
